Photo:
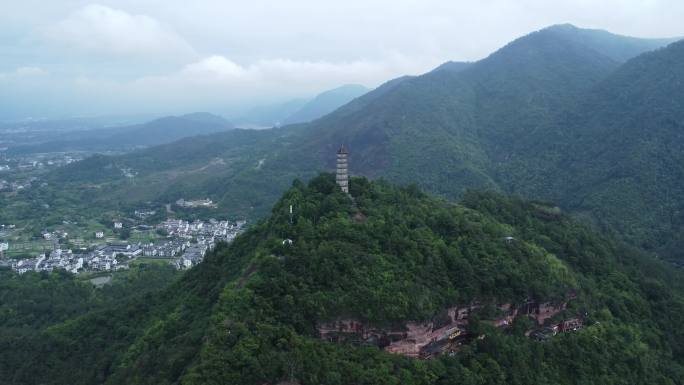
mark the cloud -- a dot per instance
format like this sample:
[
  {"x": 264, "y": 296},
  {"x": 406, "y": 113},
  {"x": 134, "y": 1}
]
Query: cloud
[
  {"x": 29, "y": 71},
  {"x": 218, "y": 77},
  {"x": 218, "y": 84},
  {"x": 212, "y": 83},
  {"x": 299, "y": 74},
  {"x": 23, "y": 72},
  {"x": 100, "y": 29},
  {"x": 173, "y": 55},
  {"x": 215, "y": 66}
]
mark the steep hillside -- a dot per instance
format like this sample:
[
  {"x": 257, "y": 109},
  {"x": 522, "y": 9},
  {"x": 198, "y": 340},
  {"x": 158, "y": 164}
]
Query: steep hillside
[
  {"x": 625, "y": 156},
  {"x": 615, "y": 158},
  {"x": 450, "y": 130},
  {"x": 554, "y": 115},
  {"x": 326, "y": 102},
  {"x": 394, "y": 261}
]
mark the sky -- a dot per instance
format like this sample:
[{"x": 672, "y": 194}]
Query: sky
[{"x": 64, "y": 58}]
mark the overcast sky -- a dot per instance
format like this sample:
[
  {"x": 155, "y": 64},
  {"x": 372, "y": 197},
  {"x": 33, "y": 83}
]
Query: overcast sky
[{"x": 63, "y": 58}]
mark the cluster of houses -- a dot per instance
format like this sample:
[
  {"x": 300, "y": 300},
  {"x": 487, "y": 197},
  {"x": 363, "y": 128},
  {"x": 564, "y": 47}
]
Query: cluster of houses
[
  {"x": 165, "y": 248},
  {"x": 196, "y": 203},
  {"x": 201, "y": 230},
  {"x": 57, "y": 234},
  {"x": 17, "y": 184},
  {"x": 27, "y": 164},
  {"x": 564, "y": 326},
  {"x": 128, "y": 172},
  {"x": 103, "y": 258},
  {"x": 38, "y": 162},
  {"x": 144, "y": 213},
  {"x": 185, "y": 246},
  {"x": 204, "y": 234}
]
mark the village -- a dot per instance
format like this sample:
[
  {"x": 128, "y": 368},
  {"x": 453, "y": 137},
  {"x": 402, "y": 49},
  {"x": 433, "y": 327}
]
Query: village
[
  {"x": 184, "y": 245},
  {"x": 19, "y": 173}
]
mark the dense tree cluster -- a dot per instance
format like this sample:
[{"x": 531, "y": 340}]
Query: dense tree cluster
[
  {"x": 396, "y": 254},
  {"x": 385, "y": 254}
]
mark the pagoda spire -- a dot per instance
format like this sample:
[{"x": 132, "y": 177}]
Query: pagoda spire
[{"x": 342, "y": 172}]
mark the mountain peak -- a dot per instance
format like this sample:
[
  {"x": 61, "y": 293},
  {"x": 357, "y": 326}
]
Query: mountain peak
[
  {"x": 326, "y": 102},
  {"x": 563, "y": 26},
  {"x": 350, "y": 86},
  {"x": 616, "y": 47},
  {"x": 452, "y": 66}
]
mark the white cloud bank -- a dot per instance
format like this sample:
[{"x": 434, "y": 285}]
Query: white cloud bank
[
  {"x": 218, "y": 84},
  {"x": 173, "y": 56},
  {"x": 100, "y": 29},
  {"x": 178, "y": 78},
  {"x": 297, "y": 76}
]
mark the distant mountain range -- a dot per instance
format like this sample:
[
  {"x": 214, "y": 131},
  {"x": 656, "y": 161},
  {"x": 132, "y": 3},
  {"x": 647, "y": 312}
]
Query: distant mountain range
[
  {"x": 326, "y": 103},
  {"x": 124, "y": 138},
  {"x": 301, "y": 110},
  {"x": 268, "y": 116},
  {"x": 586, "y": 118}
]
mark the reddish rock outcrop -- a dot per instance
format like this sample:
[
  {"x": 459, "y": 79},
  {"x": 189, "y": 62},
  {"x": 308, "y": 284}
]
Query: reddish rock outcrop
[{"x": 413, "y": 339}]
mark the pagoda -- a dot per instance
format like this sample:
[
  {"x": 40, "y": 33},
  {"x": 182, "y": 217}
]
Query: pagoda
[{"x": 342, "y": 174}]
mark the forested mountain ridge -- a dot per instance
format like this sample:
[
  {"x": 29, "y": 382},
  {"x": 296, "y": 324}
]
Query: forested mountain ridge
[
  {"x": 637, "y": 113},
  {"x": 617, "y": 157},
  {"x": 249, "y": 313},
  {"x": 533, "y": 118}
]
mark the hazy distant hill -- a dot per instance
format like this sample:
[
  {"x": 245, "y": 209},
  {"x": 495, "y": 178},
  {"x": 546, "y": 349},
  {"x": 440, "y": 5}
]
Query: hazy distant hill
[
  {"x": 269, "y": 115},
  {"x": 23, "y": 132},
  {"x": 326, "y": 102},
  {"x": 172, "y": 128},
  {"x": 155, "y": 132},
  {"x": 301, "y": 110},
  {"x": 557, "y": 114}
]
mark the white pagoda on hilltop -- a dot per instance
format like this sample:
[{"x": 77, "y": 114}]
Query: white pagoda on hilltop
[{"x": 342, "y": 175}]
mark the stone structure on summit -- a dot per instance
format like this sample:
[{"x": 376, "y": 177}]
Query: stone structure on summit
[{"x": 342, "y": 174}]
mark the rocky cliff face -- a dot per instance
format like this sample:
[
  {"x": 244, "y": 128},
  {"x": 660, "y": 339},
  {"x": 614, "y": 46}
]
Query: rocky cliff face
[{"x": 427, "y": 339}]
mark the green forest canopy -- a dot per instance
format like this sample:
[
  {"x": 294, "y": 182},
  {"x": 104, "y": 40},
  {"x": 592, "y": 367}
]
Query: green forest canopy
[{"x": 247, "y": 314}]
